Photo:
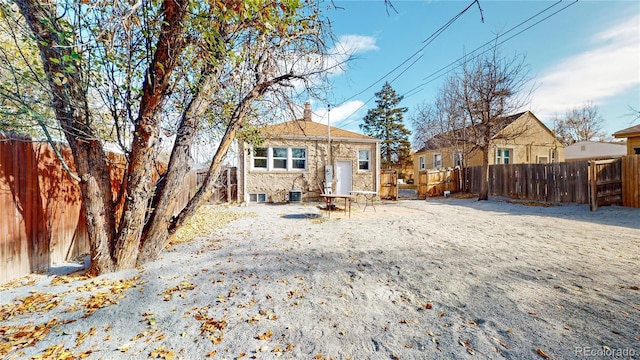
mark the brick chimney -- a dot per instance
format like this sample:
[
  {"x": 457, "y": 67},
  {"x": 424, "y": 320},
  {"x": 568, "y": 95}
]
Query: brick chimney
[{"x": 307, "y": 111}]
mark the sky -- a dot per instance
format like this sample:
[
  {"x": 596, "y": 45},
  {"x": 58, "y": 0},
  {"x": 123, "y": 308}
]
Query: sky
[{"x": 584, "y": 51}]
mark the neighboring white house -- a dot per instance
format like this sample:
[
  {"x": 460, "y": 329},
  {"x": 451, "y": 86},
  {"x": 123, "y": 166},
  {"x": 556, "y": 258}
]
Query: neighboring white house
[{"x": 593, "y": 150}]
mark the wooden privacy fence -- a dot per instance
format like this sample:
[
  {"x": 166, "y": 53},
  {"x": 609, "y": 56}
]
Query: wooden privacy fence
[
  {"x": 555, "y": 182},
  {"x": 389, "y": 184},
  {"x": 605, "y": 183},
  {"x": 630, "y": 169},
  {"x": 40, "y": 205},
  {"x": 436, "y": 181},
  {"x": 598, "y": 183},
  {"x": 226, "y": 186}
]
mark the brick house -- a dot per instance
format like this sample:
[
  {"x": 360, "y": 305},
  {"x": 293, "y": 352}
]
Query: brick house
[{"x": 296, "y": 163}]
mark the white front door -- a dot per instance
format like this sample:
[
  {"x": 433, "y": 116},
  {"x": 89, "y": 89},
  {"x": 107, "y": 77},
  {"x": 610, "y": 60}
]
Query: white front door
[{"x": 343, "y": 177}]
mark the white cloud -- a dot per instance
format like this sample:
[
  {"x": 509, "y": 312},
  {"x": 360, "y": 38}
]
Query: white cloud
[
  {"x": 354, "y": 44},
  {"x": 599, "y": 74},
  {"x": 345, "y": 112},
  {"x": 346, "y": 47}
]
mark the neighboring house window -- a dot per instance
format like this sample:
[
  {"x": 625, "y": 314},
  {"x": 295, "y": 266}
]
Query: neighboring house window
[
  {"x": 552, "y": 155},
  {"x": 542, "y": 160},
  {"x": 503, "y": 156},
  {"x": 421, "y": 164},
  {"x": 299, "y": 158},
  {"x": 637, "y": 150},
  {"x": 260, "y": 158},
  {"x": 279, "y": 158},
  {"x": 437, "y": 161},
  {"x": 363, "y": 160},
  {"x": 457, "y": 159}
]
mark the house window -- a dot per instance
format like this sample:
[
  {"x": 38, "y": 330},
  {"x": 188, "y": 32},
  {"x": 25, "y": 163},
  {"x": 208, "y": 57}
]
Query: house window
[
  {"x": 503, "y": 156},
  {"x": 421, "y": 164},
  {"x": 279, "y": 158},
  {"x": 553, "y": 155},
  {"x": 542, "y": 160},
  {"x": 260, "y": 158},
  {"x": 637, "y": 150},
  {"x": 437, "y": 161},
  {"x": 299, "y": 158},
  {"x": 364, "y": 160},
  {"x": 457, "y": 158},
  {"x": 258, "y": 197}
]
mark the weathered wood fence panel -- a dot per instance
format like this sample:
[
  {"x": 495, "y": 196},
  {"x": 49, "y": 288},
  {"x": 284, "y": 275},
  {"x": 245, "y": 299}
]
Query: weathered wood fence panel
[
  {"x": 40, "y": 208},
  {"x": 436, "y": 181},
  {"x": 41, "y": 223},
  {"x": 630, "y": 169},
  {"x": 556, "y": 182},
  {"x": 226, "y": 188},
  {"x": 389, "y": 185},
  {"x": 605, "y": 183}
]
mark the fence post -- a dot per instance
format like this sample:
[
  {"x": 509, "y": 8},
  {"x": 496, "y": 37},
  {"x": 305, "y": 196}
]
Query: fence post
[{"x": 593, "y": 186}]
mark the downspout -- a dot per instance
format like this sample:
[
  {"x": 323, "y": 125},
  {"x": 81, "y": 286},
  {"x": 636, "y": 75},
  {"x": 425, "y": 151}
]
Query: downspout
[{"x": 245, "y": 196}]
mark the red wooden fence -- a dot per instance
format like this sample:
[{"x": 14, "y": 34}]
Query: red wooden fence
[{"x": 40, "y": 219}]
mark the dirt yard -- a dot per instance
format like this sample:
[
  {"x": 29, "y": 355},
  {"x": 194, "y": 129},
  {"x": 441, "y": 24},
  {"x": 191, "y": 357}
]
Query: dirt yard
[{"x": 436, "y": 279}]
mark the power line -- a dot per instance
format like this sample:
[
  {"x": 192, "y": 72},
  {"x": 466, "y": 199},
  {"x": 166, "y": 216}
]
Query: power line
[
  {"x": 431, "y": 76},
  {"x": 426, "y": 42},
  {"x": 434, "y": 76}
]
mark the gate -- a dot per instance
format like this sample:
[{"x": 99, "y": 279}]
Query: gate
[
  {"x": 435, "y": 182},
  {"x": 389, "y": 185}
]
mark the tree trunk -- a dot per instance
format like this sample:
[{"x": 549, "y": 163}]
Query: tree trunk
[
  {"x": 206, "y": 190},
  {"x": 486, "y": 144},
  {"x": 70, "y": 105},
  {"x": 143, "y": 149},
  {"x": 157, "y": 232},
  {"x": 484, "y": 179}
]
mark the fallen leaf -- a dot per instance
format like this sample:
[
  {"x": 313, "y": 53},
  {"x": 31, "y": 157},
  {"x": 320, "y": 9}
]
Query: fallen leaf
[
  {"x": 82, "y": 336},
  {"x": 541, "y": 353},
  {"x": 265, "y": 336},
  {"x": 428, "y": 306}
]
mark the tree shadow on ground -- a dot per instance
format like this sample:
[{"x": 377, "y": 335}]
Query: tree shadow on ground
[{"x": 607, "y": 215}]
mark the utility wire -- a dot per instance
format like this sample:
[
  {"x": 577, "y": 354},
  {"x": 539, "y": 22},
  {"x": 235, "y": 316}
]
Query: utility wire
[
  {"x": 413, "y": 90},
  {"x": 426, "y": 42},
  {"x": 434, "y": 76}
]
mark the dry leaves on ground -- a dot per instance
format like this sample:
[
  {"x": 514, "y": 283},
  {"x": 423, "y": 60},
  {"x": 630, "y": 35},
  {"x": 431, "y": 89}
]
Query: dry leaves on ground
[{"x": 206, "y": 219}]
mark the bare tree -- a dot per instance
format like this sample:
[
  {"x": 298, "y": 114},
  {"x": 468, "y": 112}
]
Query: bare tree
[
  {"x": 474, "y": 105},
  {"x": 634, "y": 113},
  {"x": 580, "y": 124}
]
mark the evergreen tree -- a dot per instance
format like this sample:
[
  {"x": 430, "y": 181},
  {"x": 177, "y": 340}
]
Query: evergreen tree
[{"x": 385, "y": 123}]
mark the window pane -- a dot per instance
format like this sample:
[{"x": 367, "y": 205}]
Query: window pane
[
  {"x": 363, "y": 155},
  {"x": 260, "y": 163},
  {"x": 279, "y": 163},
  {"x": 298, "y": 164},
  {"x": 506, "y": 153},
  {"x": 363, "y": 165},
  {"x": 279, "y": 152},
  {"x": 299, "y": 153},
  {"x": 260, "y": 152}
]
